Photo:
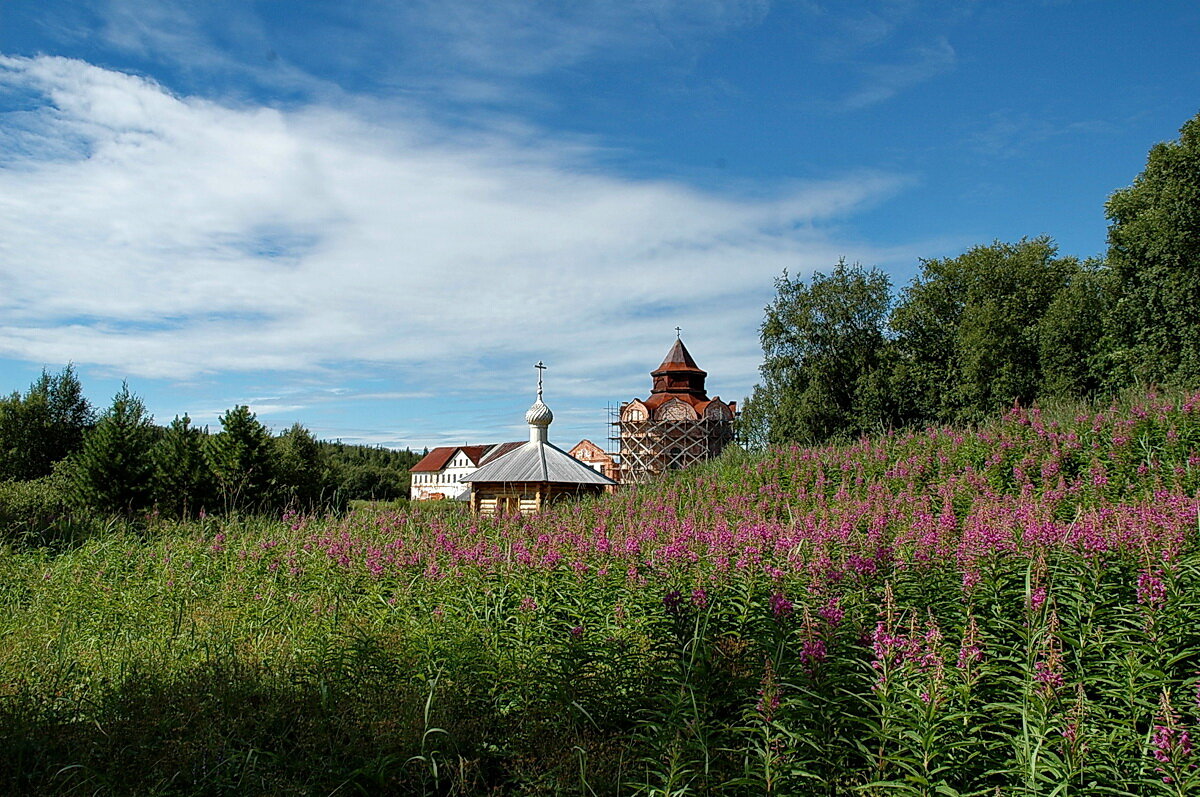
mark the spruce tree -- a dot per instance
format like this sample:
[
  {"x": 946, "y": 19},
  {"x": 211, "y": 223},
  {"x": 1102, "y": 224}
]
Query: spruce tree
[
  {"x": 300, "y": 470},
  {"x": 43, "y": 426},
  {"x": 113, "y": 470},
  {"x": 183, "y": 482},
  {"x": 68, "y": 413},
  {"x": 22, "y": 428},
  {"x": 240, "y": 458}
]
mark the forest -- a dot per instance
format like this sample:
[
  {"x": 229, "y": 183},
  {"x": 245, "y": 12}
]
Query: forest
[
  {"x": 998, "y": 325},
  {"x": 60, "y": 458}
]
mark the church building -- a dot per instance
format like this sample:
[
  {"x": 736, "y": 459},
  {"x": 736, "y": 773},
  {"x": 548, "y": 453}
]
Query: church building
[
  {"x": 534, "y": 475},
  {"x": 595, "y": 457},
  {"x": 677, "y": 425}
]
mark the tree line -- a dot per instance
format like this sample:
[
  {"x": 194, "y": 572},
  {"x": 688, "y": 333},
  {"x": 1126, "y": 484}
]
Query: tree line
[
  {"x": 998, "y": 324},
  {"x": 119, "y": 461}
]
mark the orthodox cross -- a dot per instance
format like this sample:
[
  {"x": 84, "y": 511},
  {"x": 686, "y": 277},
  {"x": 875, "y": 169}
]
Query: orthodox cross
[
  {"x": 540, "y": 368},
  {"x": 677, "y": 331}
]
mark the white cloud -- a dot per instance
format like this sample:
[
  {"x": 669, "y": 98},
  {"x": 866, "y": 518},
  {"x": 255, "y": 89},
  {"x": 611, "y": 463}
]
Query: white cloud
[
  {"x": 167, "y": 236},
  {"x": 1009, "y": 134},
  {"x": 882, "y": 81},
  {"x": 463, "y": 50},
  {"x": 523, "y": 37},
  {"x": 887, "y": 46}
]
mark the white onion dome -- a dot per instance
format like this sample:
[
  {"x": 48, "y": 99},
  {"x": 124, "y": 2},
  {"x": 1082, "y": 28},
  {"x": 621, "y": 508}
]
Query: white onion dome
[{"x": 539, "y": 414}]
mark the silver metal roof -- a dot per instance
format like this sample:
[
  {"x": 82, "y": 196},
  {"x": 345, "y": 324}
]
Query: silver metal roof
[{"x": 538, "y": 461}]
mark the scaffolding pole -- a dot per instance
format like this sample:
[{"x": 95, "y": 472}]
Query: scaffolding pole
[{"x": 648, "y": 449}]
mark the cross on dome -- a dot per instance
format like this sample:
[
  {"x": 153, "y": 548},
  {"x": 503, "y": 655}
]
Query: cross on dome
[{"x": 539, "y": 415}]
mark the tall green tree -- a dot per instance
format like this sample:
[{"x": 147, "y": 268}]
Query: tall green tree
[
  {"x": 22, "y": 420},
  {"x": 302, "y": 477},
  {"x": 1154, "y": 254},
  {"x": 824, "y": 349},
  {"x": 967, "y": 330},
  {"x": 240, "y": 457},
  {"x": 113, "y": 470},
  {"x": 43, "y": 426},
  {"x": 183, "y": 481},
  {"x": 69, "y": 414},
  {"x": 1073, "y": 346}
]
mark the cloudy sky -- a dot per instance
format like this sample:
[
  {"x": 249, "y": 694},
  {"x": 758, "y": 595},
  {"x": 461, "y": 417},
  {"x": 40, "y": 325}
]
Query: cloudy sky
[{"x": 374, "y": 217}]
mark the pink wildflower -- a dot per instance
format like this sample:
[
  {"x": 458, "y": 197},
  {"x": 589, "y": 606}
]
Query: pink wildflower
[
  {"x": 831, "y": 612},
  {"x": 781, "y": 607},
  {"x": 768, "y": 693},
  {"x": 813, "y": 651},
  {"x": 969, "y": 652},
  {"x": 1037, "y": 599},
  {"x": 1048, "y": 676},
  {"x": 1151, "y": 589}
]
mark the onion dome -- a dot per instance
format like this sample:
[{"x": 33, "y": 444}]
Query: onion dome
[{"x": 539, "y": 414}]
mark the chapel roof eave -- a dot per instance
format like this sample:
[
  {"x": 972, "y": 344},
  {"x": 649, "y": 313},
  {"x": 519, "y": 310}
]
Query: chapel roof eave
[{"x": 538, "y": 462}]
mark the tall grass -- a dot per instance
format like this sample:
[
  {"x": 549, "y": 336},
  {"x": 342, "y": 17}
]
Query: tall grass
[{"x": 1013, "y": 609}]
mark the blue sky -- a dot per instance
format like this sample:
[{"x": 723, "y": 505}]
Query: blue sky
[{"x": 374, "y": 217}]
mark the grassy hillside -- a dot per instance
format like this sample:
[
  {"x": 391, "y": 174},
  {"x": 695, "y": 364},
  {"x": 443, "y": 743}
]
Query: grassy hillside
[{"x": 1011, "y": 610}]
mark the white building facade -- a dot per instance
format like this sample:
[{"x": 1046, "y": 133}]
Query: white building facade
[{"x": 440, "y": 473}]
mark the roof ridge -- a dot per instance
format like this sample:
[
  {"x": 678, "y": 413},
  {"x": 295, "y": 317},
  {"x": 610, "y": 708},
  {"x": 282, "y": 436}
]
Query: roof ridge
[
  {"x": 678, "y": 359},
  {"x": 532, "y": 462}
]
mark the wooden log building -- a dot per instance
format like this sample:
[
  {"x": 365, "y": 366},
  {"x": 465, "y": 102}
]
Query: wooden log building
[{"x": 537, "y": 474}]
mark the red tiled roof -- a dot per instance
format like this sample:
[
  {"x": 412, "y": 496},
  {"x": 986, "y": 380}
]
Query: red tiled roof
[
  {"x": 435, "y": 460},
  {"x": 473, "y": 452},
  {"x": 656, "y": 400}
]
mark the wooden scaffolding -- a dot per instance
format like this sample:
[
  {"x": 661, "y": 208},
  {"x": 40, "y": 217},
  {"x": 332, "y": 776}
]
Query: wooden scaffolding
[{"x": 650, "y": 448}]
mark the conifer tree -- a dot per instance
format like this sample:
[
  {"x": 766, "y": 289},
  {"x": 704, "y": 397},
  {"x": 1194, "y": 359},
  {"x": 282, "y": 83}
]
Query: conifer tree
[
  {"x": 22, "y": 422},
  {"x": 300, "y": 470},
  {"x": 183, "y": 482},
  {"x": 113, "y": 470},
  {"x": 240, "y": 458},
  {"x": 69, "y": 415},
  {"x": 43, "y": 426}
]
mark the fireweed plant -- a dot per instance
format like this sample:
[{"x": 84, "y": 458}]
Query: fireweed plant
[{"x": 1009, "y": 610}]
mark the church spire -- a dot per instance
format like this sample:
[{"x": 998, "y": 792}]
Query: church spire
[
  {"x": 679, "y": 373},
  {"x": 539, "y": 415}
]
